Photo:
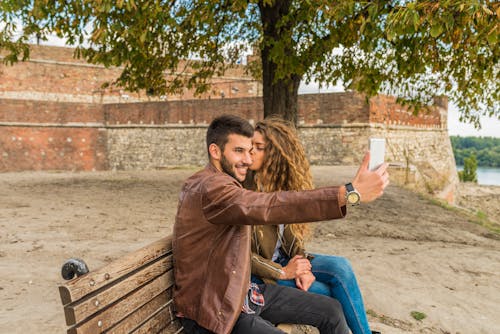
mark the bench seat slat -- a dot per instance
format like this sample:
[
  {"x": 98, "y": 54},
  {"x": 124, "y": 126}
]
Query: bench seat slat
[
  {"x": 84, "y": 308},
  {"x": 160, "y": 320},
  {"x": 94, "y": 280},
  {"x": 143, "y": 313},
  {"x": 120, "y": 310},
  {"x": 173, "y": 328}
]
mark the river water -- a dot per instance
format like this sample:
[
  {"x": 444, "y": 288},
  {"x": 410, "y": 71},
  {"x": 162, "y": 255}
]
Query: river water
[{"x": 486, "y": 175}]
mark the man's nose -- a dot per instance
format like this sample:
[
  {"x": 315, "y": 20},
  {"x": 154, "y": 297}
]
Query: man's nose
[{"x": 248, "y": 158}]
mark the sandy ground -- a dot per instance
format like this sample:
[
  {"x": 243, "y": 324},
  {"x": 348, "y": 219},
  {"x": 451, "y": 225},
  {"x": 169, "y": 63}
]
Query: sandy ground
[{"x": 409, "y": 254}]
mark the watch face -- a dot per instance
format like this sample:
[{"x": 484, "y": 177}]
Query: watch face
[{"x": 353, "y": 198}]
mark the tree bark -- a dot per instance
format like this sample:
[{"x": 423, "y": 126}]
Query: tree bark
[{"x": 279, "y": 95}]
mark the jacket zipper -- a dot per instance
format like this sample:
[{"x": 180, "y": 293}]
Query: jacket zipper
[{"x": 267, "y": 265}]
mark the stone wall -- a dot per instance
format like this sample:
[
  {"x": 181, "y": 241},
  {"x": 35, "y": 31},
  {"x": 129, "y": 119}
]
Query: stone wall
[
  {"x": 156, "y": 147},
  {"x": 420, "y": 158},
  {"x": 48, "y": 135}
]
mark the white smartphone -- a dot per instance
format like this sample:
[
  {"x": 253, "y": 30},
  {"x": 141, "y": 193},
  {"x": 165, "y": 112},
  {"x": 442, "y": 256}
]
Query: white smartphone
[{"x": 377, "y": 152}]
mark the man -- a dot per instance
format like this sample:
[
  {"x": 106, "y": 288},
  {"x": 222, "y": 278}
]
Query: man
[{"x": 212, "y": 241}]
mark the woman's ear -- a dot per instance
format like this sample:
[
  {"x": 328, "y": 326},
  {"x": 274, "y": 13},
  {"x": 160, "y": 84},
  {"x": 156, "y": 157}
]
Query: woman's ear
[{"x": 214, "y": 151}]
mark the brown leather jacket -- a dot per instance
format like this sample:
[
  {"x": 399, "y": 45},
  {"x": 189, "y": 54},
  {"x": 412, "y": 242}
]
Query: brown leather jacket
[
  {"x": 212, "y": 237},
  {"x": 264, "y": 238}
]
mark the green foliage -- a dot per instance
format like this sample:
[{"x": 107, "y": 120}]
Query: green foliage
[
  {"x": 486, "y": 150},
  {"x": 411, "y": 49},
  {"x": 418, "y": 315},
  {"x": 481, "y": 215},
  {"x": 469, "y": 174},
  {"x": 481, "y": 218}
]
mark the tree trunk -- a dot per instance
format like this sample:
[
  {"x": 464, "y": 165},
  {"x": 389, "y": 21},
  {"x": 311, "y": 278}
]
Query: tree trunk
[{"x": 279, "y": 95}]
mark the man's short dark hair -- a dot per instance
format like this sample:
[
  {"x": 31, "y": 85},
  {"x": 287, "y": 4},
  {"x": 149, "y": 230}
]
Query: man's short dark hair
[{"x": 223, "y": 126}]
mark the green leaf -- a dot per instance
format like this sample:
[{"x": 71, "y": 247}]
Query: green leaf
[
  {"x": 436, "y": 30},
  {"x": 492, "y": 38},
  {"x": 390, "y": 35},
  {"x": 143, "y": 36}
]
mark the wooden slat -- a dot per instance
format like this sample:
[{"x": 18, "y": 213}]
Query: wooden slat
[
  {"x": 76, "y": 312},
  {"x": 82, "y": 286},
  {"x": 116, "y": 312},
  {"x": 140, "y": 315},
  {"x": 163, "y": 320},
  {"x": 287, "y": 328},
  {"x": 173, "y": 328}
]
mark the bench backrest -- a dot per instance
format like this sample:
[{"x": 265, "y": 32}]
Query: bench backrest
[{"x": 130, "y": 295}]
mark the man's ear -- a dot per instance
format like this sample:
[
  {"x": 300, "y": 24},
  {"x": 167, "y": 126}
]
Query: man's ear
[{"x": 214, "y": 151}]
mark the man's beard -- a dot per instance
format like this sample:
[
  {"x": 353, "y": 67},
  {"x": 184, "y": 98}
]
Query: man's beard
[{"x": 227, "y": 168}]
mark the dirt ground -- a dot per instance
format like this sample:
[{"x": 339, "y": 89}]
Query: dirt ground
[{"x": 409, "y": 253}]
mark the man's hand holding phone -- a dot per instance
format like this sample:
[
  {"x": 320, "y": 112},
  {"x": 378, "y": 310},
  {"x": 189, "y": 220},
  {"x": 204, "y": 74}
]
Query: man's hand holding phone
[{"x": 370, "y": 183}]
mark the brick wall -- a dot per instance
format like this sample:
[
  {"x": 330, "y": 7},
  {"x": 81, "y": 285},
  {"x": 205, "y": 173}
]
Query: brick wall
[
  {"x": 53, "y": 74},
  {"x": 385, "y": 110},
  {"x": 334, "y": 126},
  {"x": 52, "y": 148},
  {"x": 50, "y": 112},
  {"x": 54, "y": 115},
  {"x": 182, "y": 112}
]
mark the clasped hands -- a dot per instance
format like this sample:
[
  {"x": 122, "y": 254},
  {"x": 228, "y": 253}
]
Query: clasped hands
[{"x": 299, "y": 268}]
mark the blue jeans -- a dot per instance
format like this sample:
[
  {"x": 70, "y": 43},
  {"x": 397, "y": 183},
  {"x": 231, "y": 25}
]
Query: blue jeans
[{"x": 335, "y": 278}]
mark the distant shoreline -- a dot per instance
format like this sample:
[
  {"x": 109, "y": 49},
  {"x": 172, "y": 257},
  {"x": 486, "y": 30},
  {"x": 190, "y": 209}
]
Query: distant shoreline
[{"x": 488, "y": 176}]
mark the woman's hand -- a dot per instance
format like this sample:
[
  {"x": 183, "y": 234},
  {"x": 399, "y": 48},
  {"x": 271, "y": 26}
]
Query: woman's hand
[
  {"x": 304, "y": 281},
  {"x": 297, "y": 266}
]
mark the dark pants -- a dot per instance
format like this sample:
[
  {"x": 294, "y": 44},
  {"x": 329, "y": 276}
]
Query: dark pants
[{"x": 285, "y": 305}]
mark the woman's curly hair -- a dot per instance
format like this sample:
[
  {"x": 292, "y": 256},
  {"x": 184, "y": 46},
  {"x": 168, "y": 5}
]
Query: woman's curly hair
[{"x": 285, "y": 166}]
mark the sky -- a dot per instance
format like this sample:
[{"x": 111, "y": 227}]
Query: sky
[{"x": 490, "y": 126}]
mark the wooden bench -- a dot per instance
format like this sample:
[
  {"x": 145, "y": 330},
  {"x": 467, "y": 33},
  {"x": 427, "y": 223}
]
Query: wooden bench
[{"x": 130, "y": 295}]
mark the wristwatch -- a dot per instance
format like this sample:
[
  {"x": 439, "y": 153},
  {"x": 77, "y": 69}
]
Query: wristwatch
[{"x": 352, "y": 196}]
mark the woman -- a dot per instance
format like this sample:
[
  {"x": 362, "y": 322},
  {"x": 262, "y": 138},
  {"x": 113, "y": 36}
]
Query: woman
[{"x": 278, "y": 254}]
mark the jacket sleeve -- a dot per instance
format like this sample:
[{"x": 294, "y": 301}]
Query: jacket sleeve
[
  {"x": 298, "y": 249},
  {"x": 265, "y": 268},
  {"x": 293, "y": 244},
  {"x": 225, "y": 202}
]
